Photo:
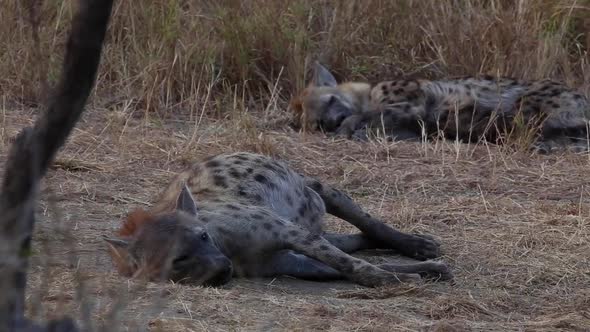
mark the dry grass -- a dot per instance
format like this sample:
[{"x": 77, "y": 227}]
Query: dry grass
[{"x": 182, "y": 80}]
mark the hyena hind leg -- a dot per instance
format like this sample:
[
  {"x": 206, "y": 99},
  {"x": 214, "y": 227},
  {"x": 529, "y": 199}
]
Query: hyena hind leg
[
  {"x": 289, "y": 263},
  {"x": 340, "y": 205},
  {"x": 360, "y": 271}
]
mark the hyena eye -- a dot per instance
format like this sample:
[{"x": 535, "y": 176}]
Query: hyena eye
[{"x": 204, "y": 236}]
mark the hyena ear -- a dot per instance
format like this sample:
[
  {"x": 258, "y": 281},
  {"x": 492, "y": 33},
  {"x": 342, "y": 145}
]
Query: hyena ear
[
  {"x": 186, "y": 202},
  {"x": 119, "y": 251},
  {"x": 118, "y": 243},
  {"x": 322, "y": 76}
]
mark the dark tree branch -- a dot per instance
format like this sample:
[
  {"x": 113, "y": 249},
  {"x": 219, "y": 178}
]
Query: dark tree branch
[{"x": 33, "y": 151}]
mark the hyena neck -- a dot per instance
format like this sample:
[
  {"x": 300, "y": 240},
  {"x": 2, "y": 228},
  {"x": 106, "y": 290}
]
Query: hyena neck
[{"x": 359, "y": 94}]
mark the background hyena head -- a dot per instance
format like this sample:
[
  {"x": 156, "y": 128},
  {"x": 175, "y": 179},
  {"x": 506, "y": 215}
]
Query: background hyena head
[
  {"x": 324, "y": 104},
  {"x": 170, "y": 246}
]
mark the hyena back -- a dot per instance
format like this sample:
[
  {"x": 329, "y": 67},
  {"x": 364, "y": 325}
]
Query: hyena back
[
  {"x": 468, "y": 109},
  {"x": 251, "y": 216}
]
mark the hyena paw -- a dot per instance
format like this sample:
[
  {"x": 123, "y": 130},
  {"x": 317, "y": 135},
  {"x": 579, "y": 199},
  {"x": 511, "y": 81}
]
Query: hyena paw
[
  {"x": 420, "y": 246},
  {"x": 348, "y": 127},
  {"x": 438, "y": 271}
]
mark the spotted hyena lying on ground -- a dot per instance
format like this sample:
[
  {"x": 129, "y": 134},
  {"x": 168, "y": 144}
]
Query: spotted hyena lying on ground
[
  {"x": 248, "y": 215},
  {"x": 467, "y": 109}
]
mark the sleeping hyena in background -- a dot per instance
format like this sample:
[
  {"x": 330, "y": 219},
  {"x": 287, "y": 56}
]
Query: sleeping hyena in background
[
  {"x": 248, "y": 215},
  {"x": 467, "y": 109}
]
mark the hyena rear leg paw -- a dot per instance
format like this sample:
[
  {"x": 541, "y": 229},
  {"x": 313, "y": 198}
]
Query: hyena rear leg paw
[
  {"x": 385, "y": 278},
  {"x": 437, "y": 271},
  {"x": 420, "y": 246}
]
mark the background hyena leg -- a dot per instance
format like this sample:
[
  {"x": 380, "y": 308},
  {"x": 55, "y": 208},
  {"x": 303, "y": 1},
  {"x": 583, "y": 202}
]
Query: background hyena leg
[
  {"x": 357, "y": 270},
  {"x": 289, "y": 263},
  {"x": 340, "y": 205},
  {"x": 434, "y": 270},
  {"x": 350, "y": 243}
]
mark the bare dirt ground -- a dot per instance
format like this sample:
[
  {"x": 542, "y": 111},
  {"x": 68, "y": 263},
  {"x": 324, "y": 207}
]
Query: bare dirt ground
[{"x": 514, "y": 227}]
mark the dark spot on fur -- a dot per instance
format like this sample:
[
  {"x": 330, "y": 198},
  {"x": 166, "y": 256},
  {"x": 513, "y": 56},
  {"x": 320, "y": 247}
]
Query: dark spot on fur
[
  {"x": 254, "y": 227},
  {"x": 311, "y": 238},
  {"x": 275, "y": 234},
  {"x": 324, "y": 247},
  {"x": 235, "y": 173},
  {"x": 412, "y": 96},
  {"x": 293, "y": 233},
  {"x": 257, "y": 216},
  {"x": 270, "y": 166},
  {"x": 204, "y": 219},
  {"x": 212, "y": 163},
  {"x": 313, "y": 220},
  {"x": 267, "y": 226},
  {"x": 260, "y": 178},
  {"x": 242, "y": 192},
  {"x": 219, "y": 181},
  {"x": 552, "y": 104},
  {"x": 535, "y": 109},
  {"x": 249, "y": 170},
  {"x": 301, "y": 210},
  {"x": 289, "y": 199},
  {"x": 317, "y": 186}
]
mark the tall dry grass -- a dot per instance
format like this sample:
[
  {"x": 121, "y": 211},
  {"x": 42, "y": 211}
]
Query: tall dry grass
[{"x": 166, "y": 55}]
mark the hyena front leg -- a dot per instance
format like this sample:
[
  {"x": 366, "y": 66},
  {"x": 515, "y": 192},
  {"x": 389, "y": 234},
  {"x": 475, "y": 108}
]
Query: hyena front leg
[
  {"x": 340, "y": 205},
  {"x": 430, "y": 269},
  {"x": 357, "y": 270},
  {"x": 350, "y": 243},
  {"x": 289, "y": 263}
]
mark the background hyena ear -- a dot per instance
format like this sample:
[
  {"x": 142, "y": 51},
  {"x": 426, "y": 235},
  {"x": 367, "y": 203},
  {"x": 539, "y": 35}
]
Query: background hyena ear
[
  {"x": 119, "y": 251},
  {"x": 322, "y": 76},
  {"x": 186, "y": 202}
]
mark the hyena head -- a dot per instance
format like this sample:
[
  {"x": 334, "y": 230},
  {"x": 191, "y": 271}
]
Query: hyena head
[
  {"x": 170, "y": 246},
  {"x": 324, "y": 103}
]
